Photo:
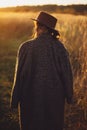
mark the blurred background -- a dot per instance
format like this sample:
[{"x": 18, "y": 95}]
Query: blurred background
[{"x": 16, "y": 27}]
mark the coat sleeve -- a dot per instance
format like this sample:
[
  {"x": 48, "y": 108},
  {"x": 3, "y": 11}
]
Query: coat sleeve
[
  {"x": 15, "y": 94},
  {"x": 65, "y": 72},
  {"x": 66, "y": 75}
]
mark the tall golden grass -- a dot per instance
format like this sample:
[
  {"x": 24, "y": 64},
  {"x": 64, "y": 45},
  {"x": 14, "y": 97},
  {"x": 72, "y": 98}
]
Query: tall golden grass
[{"x": 17, "y": 27}]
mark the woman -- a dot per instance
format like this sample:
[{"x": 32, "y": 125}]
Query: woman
[{"x": 43, "y": 78}]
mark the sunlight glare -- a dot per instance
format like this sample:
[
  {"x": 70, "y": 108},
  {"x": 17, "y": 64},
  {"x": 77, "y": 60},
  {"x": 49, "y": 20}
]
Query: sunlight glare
[{"x": 7, "y": 3}]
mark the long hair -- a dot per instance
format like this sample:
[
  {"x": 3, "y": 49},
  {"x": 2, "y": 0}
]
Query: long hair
[{"x": 54, "y": 33}]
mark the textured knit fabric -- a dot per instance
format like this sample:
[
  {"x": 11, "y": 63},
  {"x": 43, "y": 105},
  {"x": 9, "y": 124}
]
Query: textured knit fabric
[{"x": 43, "y": 80}]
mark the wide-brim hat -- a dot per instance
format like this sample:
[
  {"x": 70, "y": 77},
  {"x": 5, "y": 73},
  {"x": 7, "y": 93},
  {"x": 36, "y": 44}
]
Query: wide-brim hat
[{"x": 46, "y": 19}]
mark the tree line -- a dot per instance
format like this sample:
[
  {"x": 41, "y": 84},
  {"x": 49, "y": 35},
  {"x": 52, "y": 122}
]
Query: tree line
[{"x": 72, "y": 9}]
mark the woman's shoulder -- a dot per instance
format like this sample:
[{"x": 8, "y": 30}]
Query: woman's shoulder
[
  {"x": 27, "y": 43},
  {"x": 61, "y": 48},
  {"x": 59, "y": 45},
  {"x": 25, "y": 47}
]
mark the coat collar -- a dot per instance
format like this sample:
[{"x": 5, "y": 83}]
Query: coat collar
[{"x": 45, "y": 34}]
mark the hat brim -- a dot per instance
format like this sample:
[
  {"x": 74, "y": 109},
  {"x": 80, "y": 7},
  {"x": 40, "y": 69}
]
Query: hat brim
[
  {"x": 46, "y": 26},
  {"x": 43, "y": 24},
  {"x": 33, "y": 19}
]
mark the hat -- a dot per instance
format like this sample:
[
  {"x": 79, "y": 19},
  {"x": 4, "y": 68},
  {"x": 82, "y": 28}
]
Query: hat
[{"x": 47, "y": 20}]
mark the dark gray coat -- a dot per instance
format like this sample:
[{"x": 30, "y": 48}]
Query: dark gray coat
[{"x": 43, "y": 79}]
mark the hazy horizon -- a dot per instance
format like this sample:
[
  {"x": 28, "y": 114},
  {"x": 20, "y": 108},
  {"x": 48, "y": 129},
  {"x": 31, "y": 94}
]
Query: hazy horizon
[{"x": 13, "y": 3}]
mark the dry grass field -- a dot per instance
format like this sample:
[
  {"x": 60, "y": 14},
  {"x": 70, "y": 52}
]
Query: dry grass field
[{"x": 15, "y": 28}]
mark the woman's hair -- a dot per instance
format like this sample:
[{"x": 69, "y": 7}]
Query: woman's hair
[{"x": 55, "y": 33}]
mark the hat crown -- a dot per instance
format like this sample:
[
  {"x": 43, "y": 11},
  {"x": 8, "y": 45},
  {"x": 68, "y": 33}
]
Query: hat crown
[{"x": 47, "y": 20}]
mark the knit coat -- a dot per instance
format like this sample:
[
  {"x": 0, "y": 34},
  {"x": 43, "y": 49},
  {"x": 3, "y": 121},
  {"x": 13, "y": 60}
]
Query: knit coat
[{"x": 43, "y": 80}]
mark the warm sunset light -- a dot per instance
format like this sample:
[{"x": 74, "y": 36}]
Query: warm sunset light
[
  {"x": 18, "y": 32},
  {"x": 9, "y": 3}
]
